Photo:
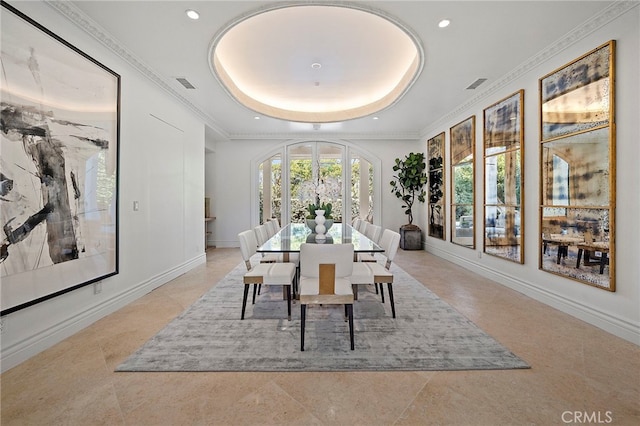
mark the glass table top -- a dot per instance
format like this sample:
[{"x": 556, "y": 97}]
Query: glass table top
[{"x": 289, "y": 238}]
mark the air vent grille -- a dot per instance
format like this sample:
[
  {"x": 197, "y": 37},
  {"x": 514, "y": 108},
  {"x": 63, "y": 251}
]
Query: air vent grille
[
  {"x": 185, "y": 83},
  {"x": 476, "y": 83}
]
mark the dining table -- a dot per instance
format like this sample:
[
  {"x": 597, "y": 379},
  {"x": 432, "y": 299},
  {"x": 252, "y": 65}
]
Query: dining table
[
  {"x": 290, "y": 237},
  {"x": 563, "y": 242}
]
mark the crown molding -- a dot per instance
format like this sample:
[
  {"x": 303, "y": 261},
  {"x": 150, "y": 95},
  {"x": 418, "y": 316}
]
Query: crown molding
[
  {"x": 412, "y": 136},
  {"x": 82, "y": 21},
  {"x": 616, "y": 9}
]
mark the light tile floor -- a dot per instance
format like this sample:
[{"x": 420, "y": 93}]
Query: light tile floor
[{"x": 579, "y": 372}]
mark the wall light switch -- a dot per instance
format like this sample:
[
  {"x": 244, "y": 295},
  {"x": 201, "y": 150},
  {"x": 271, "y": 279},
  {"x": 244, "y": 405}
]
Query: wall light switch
[{"x": 136, "y": 206}]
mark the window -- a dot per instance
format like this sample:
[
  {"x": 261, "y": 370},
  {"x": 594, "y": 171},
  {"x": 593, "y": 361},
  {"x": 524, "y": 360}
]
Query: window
[{"x": 316, "y": 170}]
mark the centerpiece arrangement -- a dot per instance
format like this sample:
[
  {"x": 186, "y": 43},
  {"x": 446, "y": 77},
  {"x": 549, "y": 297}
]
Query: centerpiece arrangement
[
  {"x": 317, "y": 210},
  {"x": 319, "y": 213}
]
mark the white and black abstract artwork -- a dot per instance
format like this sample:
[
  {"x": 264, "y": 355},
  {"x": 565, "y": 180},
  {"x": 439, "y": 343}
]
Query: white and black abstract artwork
[{"x": 59, "y": 165}]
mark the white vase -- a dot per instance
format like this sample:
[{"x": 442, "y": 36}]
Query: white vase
[{"x": 320, "y": 219}]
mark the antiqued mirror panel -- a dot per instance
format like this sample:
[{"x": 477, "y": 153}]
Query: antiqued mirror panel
[
  {"x": 503, "y": 163},
  {"x": 435, "y": 151},
  {"x": 503, "y": 232},
  {"x": 462, "y": 140},
  {"x": 577, "y": 169},
  {"x": 577, "y": 98},
  {"x": 576, "y": 243}
]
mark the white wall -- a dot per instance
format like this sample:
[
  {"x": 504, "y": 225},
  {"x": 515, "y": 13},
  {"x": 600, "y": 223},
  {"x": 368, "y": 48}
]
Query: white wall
[
  {"x": 161, "y": 167},
  {"x": 232, "y": 188},
  {"x": 618, "y": 312}
]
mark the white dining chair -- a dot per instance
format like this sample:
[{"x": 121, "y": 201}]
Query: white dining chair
[
  {"x": 281, "y": 274},
  {"x": 276, "y": 223},
  {"x": 261, "y": 238},
  {"x": 271, "y": 228},
  {"x": 324, "y": 280},
  {"x": 378, "y": 272},
  {"x": 373, "y": 233}
]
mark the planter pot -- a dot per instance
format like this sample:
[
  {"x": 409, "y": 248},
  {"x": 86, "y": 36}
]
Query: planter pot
[
  {"x": 311, "y": 224},
  {"x": 410, "y": 237}
]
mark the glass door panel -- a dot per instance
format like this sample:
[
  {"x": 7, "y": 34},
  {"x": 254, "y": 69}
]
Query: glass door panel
[
  {"x": 270, "y": 188},
  {"x": 330, "y": 178},
  {"x": 361, "y": 188},
  {"x": 300, "y": 172}
]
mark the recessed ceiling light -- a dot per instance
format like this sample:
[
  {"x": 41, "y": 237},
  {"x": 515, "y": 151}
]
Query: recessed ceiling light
[
  {"x": 192, "y": 14},
  {"x": 256, "y": 118},
  {"x": 376, "y": 118},
  {"x": 444, "y": 23},
  {"x": 316, "y": 65}
]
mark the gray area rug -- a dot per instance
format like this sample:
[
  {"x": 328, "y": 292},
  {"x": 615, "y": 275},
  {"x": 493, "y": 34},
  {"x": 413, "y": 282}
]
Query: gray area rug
[{"x": 428, "y": 334}]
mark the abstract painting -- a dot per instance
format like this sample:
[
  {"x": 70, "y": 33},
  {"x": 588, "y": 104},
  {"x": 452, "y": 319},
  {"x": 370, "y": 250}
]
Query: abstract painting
[{"x": 59, "y": 165}]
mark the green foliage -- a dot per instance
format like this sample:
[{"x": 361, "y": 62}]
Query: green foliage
[
  {"x": 409, "y": 181},
  {"x": 311, "y": 210},
  {"x": 463, "y": 184}
]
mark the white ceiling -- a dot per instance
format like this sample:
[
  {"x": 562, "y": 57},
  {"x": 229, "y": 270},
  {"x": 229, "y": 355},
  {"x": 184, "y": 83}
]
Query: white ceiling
[{"x": 485, "y": 40}]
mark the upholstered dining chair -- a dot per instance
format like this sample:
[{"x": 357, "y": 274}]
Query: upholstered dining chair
[
  {"x": 324, "y": 280},
  {"x": 372, "y": 232},
  {"x": 271, "y": 228},
  {"x": 261, "y": 238},
  {"x": 280, "y": 274},
  {"x": 378, "y": 272},
  {"x": 276, "y": 223}
]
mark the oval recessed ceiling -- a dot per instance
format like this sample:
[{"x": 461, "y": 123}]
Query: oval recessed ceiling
[{"x": 316, "y": 63}]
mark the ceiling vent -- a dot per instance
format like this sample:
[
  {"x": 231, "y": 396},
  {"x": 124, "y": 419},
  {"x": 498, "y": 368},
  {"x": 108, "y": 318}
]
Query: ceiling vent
[
  {"x": 185, "y": 83},
  {"x": 476, "y": 83}
]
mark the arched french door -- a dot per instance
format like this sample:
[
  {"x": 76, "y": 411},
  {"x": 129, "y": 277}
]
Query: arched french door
[{"x": 301, "y": 173}]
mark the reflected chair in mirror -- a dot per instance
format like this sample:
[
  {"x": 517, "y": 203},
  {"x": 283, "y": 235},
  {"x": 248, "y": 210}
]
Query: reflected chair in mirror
[
  {"x": 590, "y": 247},
  {"x": 279, "y": 274},
  {"x": 378, "y": 272},
  {"x": 552, "y": 236},
  {"x": 324, "y": 280}
]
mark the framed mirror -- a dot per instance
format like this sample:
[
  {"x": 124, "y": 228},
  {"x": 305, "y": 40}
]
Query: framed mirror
[
  {"x": 463, "y": 142},
  {"x": 503, "y": 190},
  {"x": 577, "y": 169},
  {"x": 435, "y": 152}
]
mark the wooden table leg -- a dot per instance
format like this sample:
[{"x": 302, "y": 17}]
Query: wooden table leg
[
  {"x": 579, "y": 257},
  {"x": 603, "y": 261}
]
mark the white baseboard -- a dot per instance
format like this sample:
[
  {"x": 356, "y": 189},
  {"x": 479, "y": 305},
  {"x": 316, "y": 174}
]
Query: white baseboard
[
  {"x": 606, "y": 321},
  {"x": 226, "y": 243},
  {"x": 25, "y": 349}
]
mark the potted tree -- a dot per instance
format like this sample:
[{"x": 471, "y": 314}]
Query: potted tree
[{"x": 408, "y": 185}]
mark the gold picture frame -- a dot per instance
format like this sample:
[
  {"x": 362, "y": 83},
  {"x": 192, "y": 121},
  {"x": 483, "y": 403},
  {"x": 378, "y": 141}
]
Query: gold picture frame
[
  {"x": 503, "y": 137},
  {"x": 462, "y": 139},
  {"x": 577, "y": 169},
  {"x": 437, "y": 184}
]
